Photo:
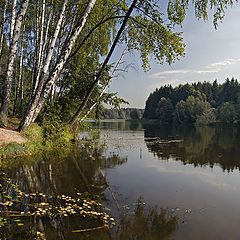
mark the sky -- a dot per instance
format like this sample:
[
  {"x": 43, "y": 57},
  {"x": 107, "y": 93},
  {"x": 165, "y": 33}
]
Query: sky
[{"x": 210, "y": 54}]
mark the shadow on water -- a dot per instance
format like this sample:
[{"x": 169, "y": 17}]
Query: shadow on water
[{"x": 199, "y": 145}]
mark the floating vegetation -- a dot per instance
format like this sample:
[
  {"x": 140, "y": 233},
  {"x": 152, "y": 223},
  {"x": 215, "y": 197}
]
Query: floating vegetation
[
  {"x": 19, "y": 209},
  {"x": 155, "y": 140}
]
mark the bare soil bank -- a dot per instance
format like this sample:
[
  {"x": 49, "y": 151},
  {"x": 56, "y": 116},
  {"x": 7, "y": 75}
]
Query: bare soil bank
[{"x": 8, "y": 136}]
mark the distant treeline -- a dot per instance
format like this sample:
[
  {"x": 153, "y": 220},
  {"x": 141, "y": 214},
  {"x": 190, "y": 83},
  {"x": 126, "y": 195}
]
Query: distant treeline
[
  {"x": 201, "y": 102},
  {"x": 123, "y": 113}
]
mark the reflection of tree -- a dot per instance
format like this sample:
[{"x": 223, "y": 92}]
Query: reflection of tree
[
  {"x": 64, "y": 172},
  {"x": 201, "y": 145},
  {"x": 148, "y": 225},
  {"x": 124, "y": 125}
]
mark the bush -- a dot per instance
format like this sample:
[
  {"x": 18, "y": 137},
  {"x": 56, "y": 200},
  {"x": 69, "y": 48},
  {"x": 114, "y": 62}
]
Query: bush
[
  {"x": 13, "y": 149},
  {"x": 34, "y": 134}
]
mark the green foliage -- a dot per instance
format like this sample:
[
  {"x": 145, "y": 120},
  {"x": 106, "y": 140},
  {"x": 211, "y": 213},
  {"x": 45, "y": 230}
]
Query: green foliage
[
  {"x": 152, "y": 38},
  {"x": 34, "y": 135},
  {"x": 177, "y": 9},
  {"x": 227, "y": 112},
  {"x": 56, "y": 133},
  {"x": 200, "y": 103},
  {"x": 164, "y": 110},
  {"x": 149, "y": 31},
  {"x": 206, "y": 117},
  {"x": 12, "y": 149}
]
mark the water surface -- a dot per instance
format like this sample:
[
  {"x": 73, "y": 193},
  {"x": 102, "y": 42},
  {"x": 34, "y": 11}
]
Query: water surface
[{"x": 158, "y": 182}]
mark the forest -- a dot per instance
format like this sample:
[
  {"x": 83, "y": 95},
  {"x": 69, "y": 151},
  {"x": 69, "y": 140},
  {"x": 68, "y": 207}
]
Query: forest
[
  {"x": 55, "y": 56},
  {"x": 201, "y": 103}
]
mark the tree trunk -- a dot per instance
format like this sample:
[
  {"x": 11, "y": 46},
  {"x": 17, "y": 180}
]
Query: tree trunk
[
  {"x": 40, "y": 44},
  {"x": 13, "y": 50},
  {"x": 13, "y": 19},
  {"x": 82, "y": 106},
  {"x": 22, "y": 96},
  {"x": 18, "y": 84},
  {"x": 107, "y": 84},
  {"x": 44, "y": 89},
  {"x": 2, "y": 27},
  {"x": 28, "y": 116}
]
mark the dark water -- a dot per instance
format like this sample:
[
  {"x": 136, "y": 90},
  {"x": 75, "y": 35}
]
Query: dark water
[{"x": 161, "y": 182}]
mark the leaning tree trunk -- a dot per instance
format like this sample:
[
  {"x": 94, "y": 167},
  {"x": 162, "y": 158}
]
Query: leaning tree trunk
[
  {"x": 27, "y": 120},
  {"x": 43, "y": 90},
  {"x": 13, "y": 50},
  {"x": 106, "y": 86},
  {"x": 87, "y": 97}
]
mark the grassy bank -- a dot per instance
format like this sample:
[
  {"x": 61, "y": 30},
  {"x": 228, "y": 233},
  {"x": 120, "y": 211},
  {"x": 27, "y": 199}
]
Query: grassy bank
[{"x": 39, "y": 138}]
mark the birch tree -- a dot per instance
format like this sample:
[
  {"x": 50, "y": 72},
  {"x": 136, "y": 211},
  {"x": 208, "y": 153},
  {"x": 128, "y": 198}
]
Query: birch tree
[
  {"x": 19, "y": 81},
  {"x": 13, "y": 50},
  {"x": 59, "y": 31},
  {"x": 79, "y": 111},
  {"x": 44, "y": 88},
  {"x": 13, "y": 19},
  {"x": 2, "y": 26}
]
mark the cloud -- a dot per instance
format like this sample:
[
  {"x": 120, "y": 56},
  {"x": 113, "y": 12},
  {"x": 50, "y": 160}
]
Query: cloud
[
  {"x": 224, "y": 63},
  {"x": 165, "y": 74},
  {"x": 203, "y": 174},
  {"x": 210, "y": 68},
  {"x": 173, "y": 82}
]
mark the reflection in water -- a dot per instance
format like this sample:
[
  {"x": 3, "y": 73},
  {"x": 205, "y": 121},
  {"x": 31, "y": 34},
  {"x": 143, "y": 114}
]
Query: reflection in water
[
  {"x": 63, "y": 172},
  {"x": 133, "y": 125},
  {"x": 207, "y": 200},
  {"x": 55, "y": 173},
  {"x": 148, "y": 225},
  {"x": 69, "y": 172},
  {"x": 201, "y": 145}
]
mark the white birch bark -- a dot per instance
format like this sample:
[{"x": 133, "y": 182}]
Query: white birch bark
[
  {"x": 22, "y": 96},
  {"x": 12, "y": 56},
  {"x": 3, "y": 26},
  {"x": 54, "y": 39},
  {"x": 13, "y": 19},
  {"x": 95, "y": 82},
  {"x": 27, "y": 120},
  {"x": 43, "y": 71},
  {"x": 39, "y": 100},
  {"x": 36, "y": 54},
  {"x": 20, "y": 73},
  {"x": 44, "y": 44},
  {"x": 40, "y": 46}
]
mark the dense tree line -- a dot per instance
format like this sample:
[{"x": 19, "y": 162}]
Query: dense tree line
[
  {"x": 201, "y": 102},
  {"x": 200, "y": 145},
  {"x": 123, "y": 113},
  {"x": 55, "y": 55}
]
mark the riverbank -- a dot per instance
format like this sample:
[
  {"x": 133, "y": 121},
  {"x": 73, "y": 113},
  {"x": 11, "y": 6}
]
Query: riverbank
[
  {"x": 35, "y": 139},
  {"x": 9, "y": 136}
]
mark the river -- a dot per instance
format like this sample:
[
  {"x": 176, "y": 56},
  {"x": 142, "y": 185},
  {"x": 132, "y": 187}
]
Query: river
[{"x": 156, "y": 182}]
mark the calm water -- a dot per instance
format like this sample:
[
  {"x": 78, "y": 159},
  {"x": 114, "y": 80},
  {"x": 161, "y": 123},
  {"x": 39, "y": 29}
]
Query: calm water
[{"x": 160, "y": 182}]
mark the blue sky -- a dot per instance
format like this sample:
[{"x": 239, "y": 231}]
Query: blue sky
[{"x": 210, "y": 54}]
